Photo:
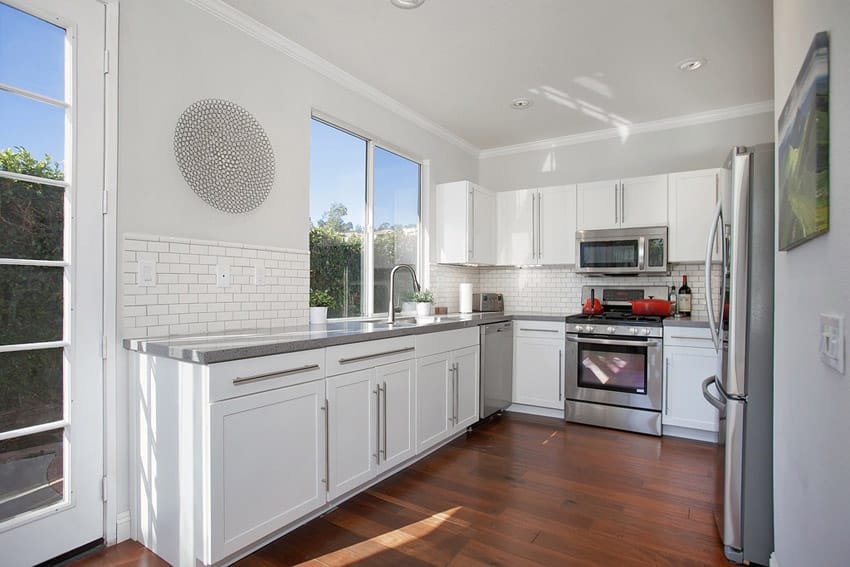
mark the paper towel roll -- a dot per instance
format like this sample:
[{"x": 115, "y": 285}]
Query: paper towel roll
[{"x": 466, "y": 298}]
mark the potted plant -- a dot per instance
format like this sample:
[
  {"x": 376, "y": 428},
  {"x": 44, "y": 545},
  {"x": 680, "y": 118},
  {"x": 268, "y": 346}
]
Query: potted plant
[
  {"x": 423, "y": 301},
  {"x": 408, "y": 305},
  {"x": 319, "y": 303}
]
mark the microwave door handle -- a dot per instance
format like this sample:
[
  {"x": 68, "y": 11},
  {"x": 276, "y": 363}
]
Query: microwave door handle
[{"x": 641, "y": 253}]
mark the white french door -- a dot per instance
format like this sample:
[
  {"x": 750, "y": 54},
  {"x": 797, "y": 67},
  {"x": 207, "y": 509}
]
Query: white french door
[{"x": 51, "y": 284}]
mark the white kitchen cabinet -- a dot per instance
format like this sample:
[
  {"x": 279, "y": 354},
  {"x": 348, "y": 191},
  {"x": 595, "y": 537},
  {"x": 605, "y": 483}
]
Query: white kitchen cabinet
[
  {"x": 692, "y": 198},
  {"x": 537, "y": 226},
  {"x": 267, "y": 464},
  {"x": 689, "y": 358},
  {"x": 622, "y": 203},
  {"x": 539, "y": 364},
  {"x": 447, "y": 385},
  {"x": 396, "y": 396},
  {"x": 466, "y": 224}
]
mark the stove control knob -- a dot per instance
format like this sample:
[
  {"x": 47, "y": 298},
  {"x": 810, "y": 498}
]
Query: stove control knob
[
  {"x": 647, "y": 332},
  {"x": 611, "y": 330},
  {"x": 633, "y": 330},
  {"x": 579, "y": 328},
  {"x": 588, "y": 328}
]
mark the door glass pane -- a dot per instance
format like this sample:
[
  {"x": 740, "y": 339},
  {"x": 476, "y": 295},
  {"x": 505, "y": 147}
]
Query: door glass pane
[
  {"x": 30, "y": 388},
  {"x": 337, "y": 217},
  {"x": 32, "y": 220},
  {"x": 656, "y": 253},
  {"x": 612, "y": 368},
  {"x": 610, "y": 254},
  {"x": 40, "y": 44},
  {"x": 31, "y": 472},
  {"x": 30, "y": 304},
  {"x": 34, "y": 132},
  {"x": 396, "y": 189}
]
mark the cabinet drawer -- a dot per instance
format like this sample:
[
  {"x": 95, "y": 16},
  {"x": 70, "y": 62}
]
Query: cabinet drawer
[
  {"x": 252, "y": 375},
  {"x": 540, "y": 329},
  {"x": 368, "y": 354},
  {"x": 699, "y": 337},
  {"x": 433, "y": 343}
]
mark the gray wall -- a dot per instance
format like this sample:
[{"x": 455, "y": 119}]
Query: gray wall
[
  {"x": 812, "y": 402},
  {"x": 172, "y": 54},
  {"x": 679, "y": 149}
]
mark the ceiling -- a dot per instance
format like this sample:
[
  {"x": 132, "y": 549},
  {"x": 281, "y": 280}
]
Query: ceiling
[{"x": 586, "y": 64}]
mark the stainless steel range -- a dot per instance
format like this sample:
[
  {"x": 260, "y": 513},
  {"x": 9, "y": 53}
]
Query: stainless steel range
[{"x": 614, "y": 375}]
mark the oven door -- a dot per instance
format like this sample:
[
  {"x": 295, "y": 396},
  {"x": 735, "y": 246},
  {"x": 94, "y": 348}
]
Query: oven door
[{"x": 616, "y": 371}]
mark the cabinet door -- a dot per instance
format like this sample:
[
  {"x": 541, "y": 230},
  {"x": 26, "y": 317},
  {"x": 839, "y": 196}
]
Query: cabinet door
[
  {"x": 684, "y": 404},
  {"x": 452, "y": 220},
  {"x": 597, "y": 205},
  {"x": 516, "y": 222},
  {"x": 643, "y": 201},
  {"x": 539, "y": 372},
  {"x": 465, "y": 387},
  {"x": 267, "y": 463},
  {"x": 691, "y": 201},
  {"x": 397, "y": 442},
  {"x": 483, "y": 239},
  {"x": 433, "y": 388},
  {"x": 556, "y": 231},
  {"x": 352, "y": 430}
]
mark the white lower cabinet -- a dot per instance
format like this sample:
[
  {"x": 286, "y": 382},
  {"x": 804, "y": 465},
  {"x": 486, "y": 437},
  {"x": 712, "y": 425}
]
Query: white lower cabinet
[
  {"x": 539, "y": 364},
  {"x": 396, "y": 442},
  {"x": 267, "y": 464},
  {"x": 434, "y": 413},
  {"x": 689, "y": 358}
]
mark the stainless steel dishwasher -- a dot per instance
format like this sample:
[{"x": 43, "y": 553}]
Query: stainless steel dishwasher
[{"x": 497, "y": 367}]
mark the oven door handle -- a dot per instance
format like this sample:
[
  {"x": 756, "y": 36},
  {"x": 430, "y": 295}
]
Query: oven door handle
[{"x": 613, "y": 343}]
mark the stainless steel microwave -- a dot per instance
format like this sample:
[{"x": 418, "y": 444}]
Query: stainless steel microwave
[{"x": 622, "y": 251}]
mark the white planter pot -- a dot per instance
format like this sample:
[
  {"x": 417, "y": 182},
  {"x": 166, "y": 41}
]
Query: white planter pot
[
  {"x": 423, "y": 309},
  {"x": 318, "y": 315},
  {"x": 408, "y": 307}
]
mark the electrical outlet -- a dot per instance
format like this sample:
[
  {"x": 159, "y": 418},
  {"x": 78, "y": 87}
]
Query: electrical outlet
[
  {"x": 832, "y": 341},
  {"x": 146, "y": 274},
  {"x": 222, "y": 276}
]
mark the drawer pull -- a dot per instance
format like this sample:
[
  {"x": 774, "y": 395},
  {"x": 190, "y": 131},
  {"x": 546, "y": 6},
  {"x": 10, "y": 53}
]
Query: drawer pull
[
  {"x": 248, "y": 379},
  {"x": 540, "y": 330},
  {"x": 378, "y": 355},
  {"x": 690, "y": 338}
]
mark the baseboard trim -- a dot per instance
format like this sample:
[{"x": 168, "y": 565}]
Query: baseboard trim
[
  {"x": 535, "y": 410},
  {"x": 122, "y": 526},
  {"x": 688, "y": 433}
]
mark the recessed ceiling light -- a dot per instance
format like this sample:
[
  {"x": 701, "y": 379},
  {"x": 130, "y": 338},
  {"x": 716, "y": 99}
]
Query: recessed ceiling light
[
  {"x": 521, "y": 103},
  {"x": 691, "y": 63},
  {"x": 407, "y": 4}
]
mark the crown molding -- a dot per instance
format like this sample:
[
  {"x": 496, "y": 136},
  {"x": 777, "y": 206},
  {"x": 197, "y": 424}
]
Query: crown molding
[
  {"x": 261, "y": 32},
  {"x": 707, "y": 117}
]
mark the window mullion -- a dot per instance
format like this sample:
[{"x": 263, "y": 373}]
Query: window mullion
[{"x": 368, "y": 276}]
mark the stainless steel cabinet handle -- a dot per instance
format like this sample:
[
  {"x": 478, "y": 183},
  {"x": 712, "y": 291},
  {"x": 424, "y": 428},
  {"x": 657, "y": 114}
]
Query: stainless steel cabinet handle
[
  {"x": 456, "y": 388},
  {"x": 471, "y": 224},
  {"x": 622, "y": 203},
  {"x": 377, "y": 453},
  {"x": 540, "y": 226},
  {"x": 560, "y": 375},
  {"x": 327, "y": 479},
  {"x": 533, "y": 232},
  {"x": 384, "y": 451},
  {"x": 667, "y": 387},
  {"x": 539, "y": 330},
  {"x": 616, "y": 203},
  {"x": 238, "y": 381},
  {"x": 691, "y": 338},
  {"x": 377, "y": 355},
  {"x": 637, "y": 344},
  {"x": 452, "y": 372}
]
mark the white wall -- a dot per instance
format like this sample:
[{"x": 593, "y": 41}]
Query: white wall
[
  {"x": 172, "y": 54},
  {"x": 812, "y": 402},
  {"x": 679, "y": 149}
]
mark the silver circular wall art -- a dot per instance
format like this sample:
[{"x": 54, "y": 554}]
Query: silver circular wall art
[{"x": 224, "y": 155}]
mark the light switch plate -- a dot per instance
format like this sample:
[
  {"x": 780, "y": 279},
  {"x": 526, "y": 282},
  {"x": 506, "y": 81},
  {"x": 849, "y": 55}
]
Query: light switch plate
[
  {"x": 832, "y": 341},
  {"x": 222, "y": 276},
  {"x": 146, "y": 274}
]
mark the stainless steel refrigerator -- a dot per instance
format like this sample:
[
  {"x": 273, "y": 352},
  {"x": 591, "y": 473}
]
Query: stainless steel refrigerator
[{"x": 743, "y": 391}]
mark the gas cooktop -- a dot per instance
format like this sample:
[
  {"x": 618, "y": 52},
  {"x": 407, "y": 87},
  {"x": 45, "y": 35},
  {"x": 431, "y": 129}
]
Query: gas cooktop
[{"x": 618, "y": 317}]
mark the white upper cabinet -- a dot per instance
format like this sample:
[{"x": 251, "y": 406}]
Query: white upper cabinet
[
  {"x": 622, "y": 203},
  {"x": 692, "y": 198},
  {"x": 466, "y": 224},
  {"x": 537, "y": 226}
]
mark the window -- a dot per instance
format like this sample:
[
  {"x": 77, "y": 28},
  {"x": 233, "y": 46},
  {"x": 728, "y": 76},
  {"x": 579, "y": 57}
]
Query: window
[{"x": 364, "y": 219}]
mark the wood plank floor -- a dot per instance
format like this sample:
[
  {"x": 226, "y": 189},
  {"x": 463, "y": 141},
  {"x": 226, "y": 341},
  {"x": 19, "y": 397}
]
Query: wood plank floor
[{"x": 520, "y": 490}]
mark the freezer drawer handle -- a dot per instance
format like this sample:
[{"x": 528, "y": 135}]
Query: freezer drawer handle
[
  {"x": 258, "y": 377},
  {"x": 377, "y": 355},
  {"x": 716, "y": 402}
]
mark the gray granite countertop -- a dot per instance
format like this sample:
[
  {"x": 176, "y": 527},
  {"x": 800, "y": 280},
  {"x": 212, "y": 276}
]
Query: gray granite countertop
[
  {"x": 236, "y": 345},
  {"x": 692, "y": 321}
]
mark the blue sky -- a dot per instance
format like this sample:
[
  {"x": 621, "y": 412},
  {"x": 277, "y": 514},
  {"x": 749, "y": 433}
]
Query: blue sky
[{"x": 32, "y": 56}]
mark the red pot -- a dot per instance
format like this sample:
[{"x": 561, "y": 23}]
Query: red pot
[
  {"x": 592, "y": 307},
  {"x": 657, "y": 307}
]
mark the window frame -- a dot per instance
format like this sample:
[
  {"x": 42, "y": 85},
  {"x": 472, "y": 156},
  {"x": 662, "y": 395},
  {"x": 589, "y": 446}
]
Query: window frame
[{"x": 368, "y": 261}]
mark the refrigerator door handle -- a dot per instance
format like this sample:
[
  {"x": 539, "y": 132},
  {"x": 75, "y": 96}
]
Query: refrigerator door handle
[
  {"x": 713, "y": 325},
  {"x": 716, "y": 402}
]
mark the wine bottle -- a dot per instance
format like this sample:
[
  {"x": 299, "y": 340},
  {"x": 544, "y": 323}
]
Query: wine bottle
[
  {"x": 674, "y": 300},
  {"x": 684, "y": 303}
]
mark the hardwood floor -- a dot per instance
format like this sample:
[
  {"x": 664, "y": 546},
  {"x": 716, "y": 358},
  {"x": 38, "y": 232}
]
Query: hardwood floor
[{"x": 520, "y": 490}]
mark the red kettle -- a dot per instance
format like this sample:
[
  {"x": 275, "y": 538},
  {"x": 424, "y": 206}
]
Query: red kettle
[{"x": 592, "y": 306}]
